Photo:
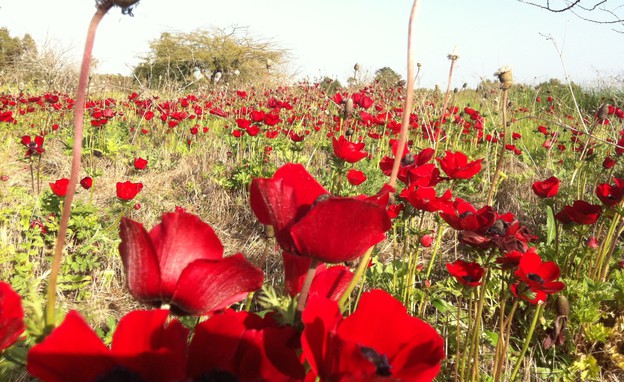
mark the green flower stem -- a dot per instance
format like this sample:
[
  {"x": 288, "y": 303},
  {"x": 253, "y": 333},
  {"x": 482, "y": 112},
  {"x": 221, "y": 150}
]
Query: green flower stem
[
  {"x": 476, "y": 334},
  {"x": 458, "y": 320},
  {"x": 55, "y": 267},
  {"x": 607, "y": 246},
  {"x": 607, "y": 259},
  {"x": 501, "y": 329},
  {"x": 32, "y": 176},
  {"x": 527, "y": 341},
  {"x": 356, "y": 278},
  {"x": 470, "y": 327},
  {"x": 507, "y": 326},
  {"x": 569, "y": 258}
]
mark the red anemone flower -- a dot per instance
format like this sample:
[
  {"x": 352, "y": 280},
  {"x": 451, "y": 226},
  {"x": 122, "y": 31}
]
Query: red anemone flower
[
  {"x": 310, "y": 222},
  {"x": 467, "y": 217},
  {"x": 378, "y": 341},
  {"x": 140, "y": 163},
  {"x": 610, "y": 195},
  {"x": 35, "y": 146},
  {"x": 348, "y": 151},
  {"x": 86, "y": 182},
  {"x": 456, "y": 165},
  {"x": 425, "y": 199},
  {"x": 580, "y": 212},
  {"x": 511, "y": 259},
  {"x": 241, "y": 346},
  {"x": 538, "y": 276},
  {"x": 468, "y": 274},
  {"x": 59, "y": 188},
  {"x": 355, "y": 177},
  {"x": 180, "y": 262},
  {"x": 328, "y": 282},
  {"x": 145, "y": 347},
  {"x": 11, "y": 316},
  {"x": 547, "y": 188},
  {"x": 128, "y": 190}
]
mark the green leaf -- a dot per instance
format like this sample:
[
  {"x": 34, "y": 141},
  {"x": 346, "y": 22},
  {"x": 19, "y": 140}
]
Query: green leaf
[{"x": 551, "y": 226}]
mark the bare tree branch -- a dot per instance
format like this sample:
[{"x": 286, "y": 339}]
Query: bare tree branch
[{"x": 608, "y": 12}]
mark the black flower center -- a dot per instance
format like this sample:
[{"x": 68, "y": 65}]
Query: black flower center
[
  {"x": 470, "y": 278},
  {"x": 382, "y": 365},
  {"x": 119, "y": 374},
  {"x": 216, "y": 376},
  {"x": 535, "y": 277},
  {"x": 408, "y": 160}
]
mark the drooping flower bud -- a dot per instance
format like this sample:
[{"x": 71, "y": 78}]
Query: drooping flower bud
[
  {"x": 563, "y": 306},
  {"x": 603, "y": 112}
]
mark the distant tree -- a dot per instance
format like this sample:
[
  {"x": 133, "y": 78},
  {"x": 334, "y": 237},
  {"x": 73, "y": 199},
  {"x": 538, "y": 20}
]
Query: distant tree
[
  {"x": 11, "y": 48},
  {"x": 608, "y": 12},
  {"x": 213, "y": 55},
  {"x": 387, "y": 77},
  {"x": 330, "y": 86}
]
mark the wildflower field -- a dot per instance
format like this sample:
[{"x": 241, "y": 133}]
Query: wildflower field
[{"x": 283, "y": 232}]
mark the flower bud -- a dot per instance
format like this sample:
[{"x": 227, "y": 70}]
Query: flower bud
[
  {"x": 348, "y": 109},
  {"x": 356, "y": 67},
  {"x": 603, "y": 112},
  {"x": 563, "y": 306}
]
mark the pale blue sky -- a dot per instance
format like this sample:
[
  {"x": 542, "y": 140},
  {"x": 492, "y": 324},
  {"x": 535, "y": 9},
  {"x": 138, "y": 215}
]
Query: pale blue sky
[{"x": 327, "y": 37}]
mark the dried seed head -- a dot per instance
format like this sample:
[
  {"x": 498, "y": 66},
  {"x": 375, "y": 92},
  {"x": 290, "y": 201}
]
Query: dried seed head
[
  {"x": 456, "y": 90},
  {"x": 125, "y": 3},
  {"x": 563, "y": 306},
  {"x": 269, "y": 231},
  {"x": 401, "y": 83},
  {"x": 452, "y": 57},
  {"x": 356, "y": 67},
  {"x": 348, "y": 109},
  {"x": 349, "y": 132},
  {"x": 505, "y": 77},
  {"x": 465, "y": 85},
  {"x": 603, "y": 111}
]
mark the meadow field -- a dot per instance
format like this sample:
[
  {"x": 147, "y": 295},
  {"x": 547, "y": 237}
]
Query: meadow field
[
  {"x": 281, "y": 231},
  {"x": 199, "y": 152}
]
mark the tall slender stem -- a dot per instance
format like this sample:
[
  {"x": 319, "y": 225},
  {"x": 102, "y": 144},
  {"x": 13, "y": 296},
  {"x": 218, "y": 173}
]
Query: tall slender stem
[
  {"x": 305, "y": 290},
  {"x": 356, "y": 278},
  {"x": 409, "y": 98},
  {"x": 501, "y": 153},
  {"x": 102, "y": 8},
  {"x": 527, "y": 340}
]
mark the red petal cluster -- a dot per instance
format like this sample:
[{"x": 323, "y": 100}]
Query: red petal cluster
[
  {"x": 468, "y": 274},
  {"x": 348, "y": 151},
  {"x": 11, "y": 316},
  {"x": 128, "y": 190},
  {"x": 310, "y": 222},
  {"x": 546, "y": 188},
  {"x": 180, "y": 262},
  {"x": 456, "y": 165},
  {"x": 59, "y": 188},
  {"x": 145, "y": 347},
  {"x": 378, "y": 341}
]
